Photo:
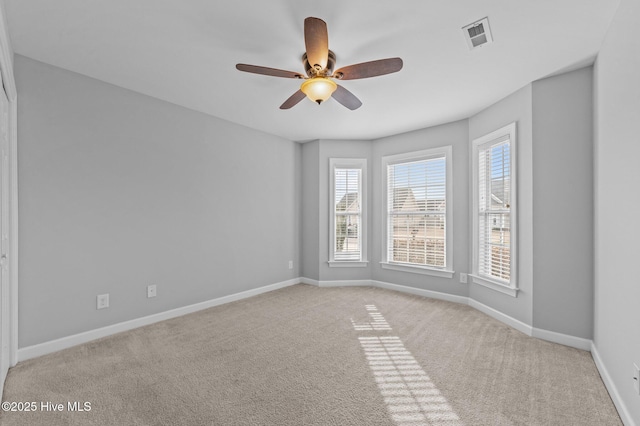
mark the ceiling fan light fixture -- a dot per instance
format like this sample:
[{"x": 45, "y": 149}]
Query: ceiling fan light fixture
[
  {"x": 318, "y": 89},
  {"x": 319, "y": 62}
]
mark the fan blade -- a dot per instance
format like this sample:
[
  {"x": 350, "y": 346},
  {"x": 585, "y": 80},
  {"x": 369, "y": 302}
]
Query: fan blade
[
  {"x": 268, "y": 71},
  {"x": 316, "y": 41},
  {"x": 369, "y": 69},
  {"x": 293, "y": 100},
  {"x": 346, "y": 98}
]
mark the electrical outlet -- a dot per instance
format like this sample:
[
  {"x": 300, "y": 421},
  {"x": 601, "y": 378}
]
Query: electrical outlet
[
  {"x": 291, "y": 264},
  {"x": 102, "y": 301},
  {"x": 463, "y": 278},
  {"x": 151, "y": 291},
  {"x": 636, "y": 378}
]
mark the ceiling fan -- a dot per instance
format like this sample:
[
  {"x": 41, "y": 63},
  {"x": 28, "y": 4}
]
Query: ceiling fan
[{"x": 319, "y": 63}]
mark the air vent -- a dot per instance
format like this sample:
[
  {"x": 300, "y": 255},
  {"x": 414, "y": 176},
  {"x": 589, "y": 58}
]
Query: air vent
[{"x": 478, "y": 33}]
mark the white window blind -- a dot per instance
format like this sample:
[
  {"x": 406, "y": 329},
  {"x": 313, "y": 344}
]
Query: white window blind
[
  {"x": 494, "y": 209},
  {"x": 347, "y": 214},
  {"x": 417, "y": 212}
]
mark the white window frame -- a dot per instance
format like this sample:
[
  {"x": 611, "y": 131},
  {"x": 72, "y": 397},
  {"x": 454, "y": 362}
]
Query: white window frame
[
  {"x": 348, "y": 163},
  {"x": 447, "y": 271},
  {"x": 510, "y": 287}
]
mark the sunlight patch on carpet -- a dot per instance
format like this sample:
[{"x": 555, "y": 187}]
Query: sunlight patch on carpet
[
  {"x": 377, "y": 323},
  {"x": 412, "y": 398}
]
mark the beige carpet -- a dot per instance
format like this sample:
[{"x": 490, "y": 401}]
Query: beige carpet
[{"x": 317, "y": 356}]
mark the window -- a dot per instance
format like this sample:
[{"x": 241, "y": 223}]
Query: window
[
  {"x": 348, "y": 212},
  {"x": 494, "y": 207},
  {"x": 418, "y": 212}
]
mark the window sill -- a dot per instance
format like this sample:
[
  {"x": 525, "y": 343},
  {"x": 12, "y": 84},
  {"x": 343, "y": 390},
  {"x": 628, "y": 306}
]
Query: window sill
[
  {"x": 494, "y": 285},
  {"x": 425, "y": 270},
  {"x": 348, "y": 264}
]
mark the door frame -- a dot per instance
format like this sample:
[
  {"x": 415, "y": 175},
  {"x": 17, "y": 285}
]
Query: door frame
[{"x": 11, "y": 287}]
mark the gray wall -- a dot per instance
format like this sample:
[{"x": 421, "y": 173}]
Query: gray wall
[
  {"x": 617, "y": 203},
  {"x": 455, "y": 134},
  {"x": 310, "y": 210},
  {"x": 119, "y": 190},
  {"x": 516, "y": 107},
  {"x": 563, "y": 203}
]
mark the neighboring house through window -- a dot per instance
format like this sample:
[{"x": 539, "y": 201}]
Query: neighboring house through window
[
  {"x": 347, "y": 246},
  {"x": 494, "y": 210},
  {"x": 418, "y": 212}
]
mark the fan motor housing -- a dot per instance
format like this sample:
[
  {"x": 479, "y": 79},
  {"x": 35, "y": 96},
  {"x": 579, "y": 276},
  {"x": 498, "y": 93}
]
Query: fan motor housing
[{"x": 312, "y": 72}]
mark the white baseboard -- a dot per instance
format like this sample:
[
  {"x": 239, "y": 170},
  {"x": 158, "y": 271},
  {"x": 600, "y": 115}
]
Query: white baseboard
[
  {"x": 336, "y": 283},
  {"x": 305, "y": 280},
  {"x": 551, "y": 336},
  {"x": 510, "y": 321},
  {"x": 625, "y": 416},
  {"x": 576, "y": 342},
  {"x": 345, "y": 283},
  {"x": 77, "y": 339},
  {"x": 563, "y": 339},
  {"x": 389, "y": 286},
  {"x": 421, "y": 292}
]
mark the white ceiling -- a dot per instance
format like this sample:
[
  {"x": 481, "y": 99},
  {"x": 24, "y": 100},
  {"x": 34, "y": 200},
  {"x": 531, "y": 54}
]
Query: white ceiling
[{"x": 185, "y": 51}]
